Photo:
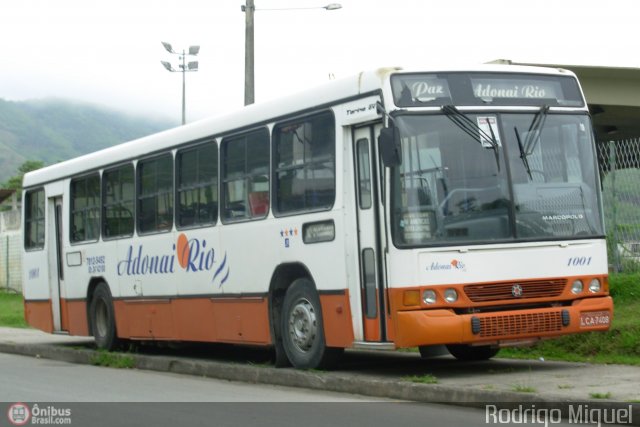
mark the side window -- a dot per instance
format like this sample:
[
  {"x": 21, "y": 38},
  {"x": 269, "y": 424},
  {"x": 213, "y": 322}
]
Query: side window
[
  {"x": 197, "y": 183},
  {"x": 245, "y": 176},
  {"x": 34, "y": 219},
  {"x": 364, "y": 174},
  {"x": 85, "y": 209},
  {"x": 155, "y": 194},
  {"x": 118, "y": 201},
  {"x": 305, "y": 159}
]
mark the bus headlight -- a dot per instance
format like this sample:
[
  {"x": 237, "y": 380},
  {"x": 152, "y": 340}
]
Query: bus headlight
[
  {"x": 595, "y": 286},
  {"x": 450, "y": 295},
  {"x": 577, "y": 287},
  {"x": 429, "y": 296}
]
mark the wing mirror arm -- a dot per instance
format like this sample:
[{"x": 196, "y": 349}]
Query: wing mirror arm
[{"x": 389, "y": 143}]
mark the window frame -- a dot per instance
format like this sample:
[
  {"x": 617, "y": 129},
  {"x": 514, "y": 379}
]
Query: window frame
[
  {"x": 86, "y": 209},
  {"x": 120, "y": 202},
  {"x": 155, "y": 195},
  {"x": 224, "y": 180},
  {"x": 275, "y": 169},
  {"x": 29, "y": 220},
  {"x": 195, "y": 147}
]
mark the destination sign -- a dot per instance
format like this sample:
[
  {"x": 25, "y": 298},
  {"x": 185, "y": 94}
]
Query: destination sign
[
  {"x": 527, "y": 89},
  {"x": 460, "y": 88},
  {"x": 420, "y": 89}
]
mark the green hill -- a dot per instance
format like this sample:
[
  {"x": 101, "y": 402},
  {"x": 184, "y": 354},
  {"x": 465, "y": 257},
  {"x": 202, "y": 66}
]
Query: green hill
[{"x": 54, "y": 130}]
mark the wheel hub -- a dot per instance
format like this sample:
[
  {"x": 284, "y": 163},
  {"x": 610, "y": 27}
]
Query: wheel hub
[{"x": 303, "y": 325}]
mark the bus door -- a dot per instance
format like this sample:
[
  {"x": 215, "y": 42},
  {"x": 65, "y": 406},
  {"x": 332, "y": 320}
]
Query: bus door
[
  {"x": 372, "y": 292},
  {"x": 56, "y": 270}
]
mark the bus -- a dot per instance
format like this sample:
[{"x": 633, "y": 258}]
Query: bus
[{"x": 393, "y": 209}]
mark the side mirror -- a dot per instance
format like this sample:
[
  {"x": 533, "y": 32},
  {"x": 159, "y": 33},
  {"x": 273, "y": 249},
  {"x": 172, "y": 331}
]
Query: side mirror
[{"x": 389, "y": 146}]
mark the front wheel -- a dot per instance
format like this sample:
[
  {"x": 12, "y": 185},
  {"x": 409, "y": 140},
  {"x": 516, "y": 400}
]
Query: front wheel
[
  {"x": 302, "y": 328},
  {"x": 469, "y": 352},
  {"x": 103, "y": 319}
]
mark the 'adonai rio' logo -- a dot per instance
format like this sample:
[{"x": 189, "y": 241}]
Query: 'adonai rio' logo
[{"x": 191, "y": 255}]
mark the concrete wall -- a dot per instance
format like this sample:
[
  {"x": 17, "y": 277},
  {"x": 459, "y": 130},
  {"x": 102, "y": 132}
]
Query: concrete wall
[{"x": 10, "y": 250}]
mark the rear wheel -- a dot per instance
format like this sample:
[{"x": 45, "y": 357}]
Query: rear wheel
[
  {"x": 103, "y": 319},
  {"x": 469, "y": 352},
  {"x": 302, "y": 328}
]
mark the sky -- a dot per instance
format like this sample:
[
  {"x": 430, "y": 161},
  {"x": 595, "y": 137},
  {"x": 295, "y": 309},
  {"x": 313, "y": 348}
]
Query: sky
[{"x": 109, "y": 52}]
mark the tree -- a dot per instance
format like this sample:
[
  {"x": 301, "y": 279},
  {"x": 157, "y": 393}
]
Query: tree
[{"x": 15, "y": 182}]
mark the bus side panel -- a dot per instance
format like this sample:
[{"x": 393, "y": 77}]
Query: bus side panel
[
  {"x": 74, "y": 317},
  {"x": 233, "y": 320},
  {"x": 39, "y": 315},
  {"x": 242, "y": 320},
  {"x": 195, "y": 320},
  {"x": 336, "y": 316},
  {"x": 38, "y": 310}
]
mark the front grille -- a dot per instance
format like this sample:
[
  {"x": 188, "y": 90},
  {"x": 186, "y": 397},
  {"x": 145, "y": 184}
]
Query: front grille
[
  {"x": 505, "y": 291},
  {"x": 520, "y": 324}
]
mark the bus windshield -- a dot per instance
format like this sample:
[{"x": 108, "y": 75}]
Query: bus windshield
[{"x": 533, "y": 178}]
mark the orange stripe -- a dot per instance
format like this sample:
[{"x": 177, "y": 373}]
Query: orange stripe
[
  {"x": 232, "y": 320},
  {"x": 237, "y": 320}
]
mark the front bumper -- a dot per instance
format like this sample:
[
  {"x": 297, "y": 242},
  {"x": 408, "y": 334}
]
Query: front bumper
[{"x": 440, "y": 326}]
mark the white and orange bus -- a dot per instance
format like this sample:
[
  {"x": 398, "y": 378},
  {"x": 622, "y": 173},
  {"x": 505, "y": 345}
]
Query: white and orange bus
[{"x": 392, "y": 209}]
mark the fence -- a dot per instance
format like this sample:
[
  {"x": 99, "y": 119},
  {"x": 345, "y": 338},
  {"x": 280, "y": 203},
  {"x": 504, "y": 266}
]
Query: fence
[
  {"x": 10, "y": 251},
  {"x": 620, "y": 174}
]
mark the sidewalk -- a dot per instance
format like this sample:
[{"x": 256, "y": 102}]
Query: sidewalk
[{"x": 468, "y": 384}]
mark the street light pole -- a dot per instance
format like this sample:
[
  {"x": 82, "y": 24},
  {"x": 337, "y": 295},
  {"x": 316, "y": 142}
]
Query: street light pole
[
  {"x": 249, "y": 69},
  {"x": 249, "y": 82},
  {"x": 184, "y": 67},
  {"x": 184, "y": 90}
]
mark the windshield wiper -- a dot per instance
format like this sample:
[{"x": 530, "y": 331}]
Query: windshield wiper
[
  {"x": 472, "y": 129},
  {"x": 523, "y": 155},
  {"x": 535, "y": 130}
]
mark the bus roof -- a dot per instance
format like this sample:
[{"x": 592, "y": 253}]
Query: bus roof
[{"x": 325, "y": 94}]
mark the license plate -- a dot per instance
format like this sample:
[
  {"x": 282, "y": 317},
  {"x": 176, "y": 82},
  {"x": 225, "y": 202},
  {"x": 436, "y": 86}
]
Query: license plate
[{"x": 595, "y": 319}]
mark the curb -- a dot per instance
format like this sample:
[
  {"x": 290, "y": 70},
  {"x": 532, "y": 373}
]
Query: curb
[{"x": 362, "y": 384}]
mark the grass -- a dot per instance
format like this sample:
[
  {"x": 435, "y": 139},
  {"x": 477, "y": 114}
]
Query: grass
[
  {"x": 565, "y": 386},
  {"x": 12, "y": 310},
  {"x": 606, "y": 395},
  {"x": 422, "y": 379},
  {"x": 619, "y": 345},
  {"x": 521, "y": 388},
  {"x": 113, "y": 360}
]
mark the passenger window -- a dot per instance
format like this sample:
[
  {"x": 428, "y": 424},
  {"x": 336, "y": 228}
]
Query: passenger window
[
  {"x": 34, "y": 225},
  {"x": 85, "y": 209},
  {"x": 304, "y": 157},
  {"x": 197, "y": 184},
  {"x": 155, "y": 194},
  {"x": 245, "y": 177},
  {"x": 118, "y": 202}
]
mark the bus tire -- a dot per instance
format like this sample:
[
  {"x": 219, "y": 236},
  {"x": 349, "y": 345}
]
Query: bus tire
[
  {"x": 302, "y": 328},
  {"x": 469, "y": 352},
  {"x": 103, "y": 319}
]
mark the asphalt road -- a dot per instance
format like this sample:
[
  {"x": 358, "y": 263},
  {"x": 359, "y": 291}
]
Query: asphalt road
[
  {"x": 156, "y": 398},
  {"x": 121, "y": 397}
]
